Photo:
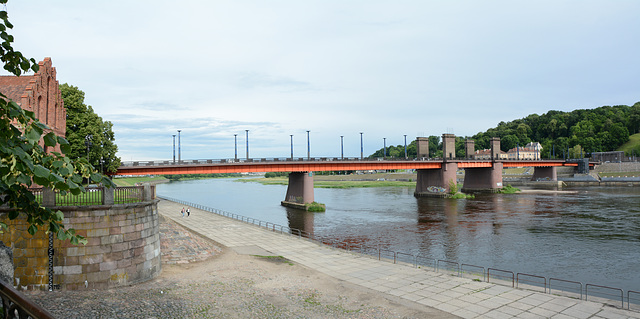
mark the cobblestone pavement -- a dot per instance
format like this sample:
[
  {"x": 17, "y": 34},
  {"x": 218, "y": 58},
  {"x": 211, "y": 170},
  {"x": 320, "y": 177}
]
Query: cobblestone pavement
[{"x": 229, "y": 285}]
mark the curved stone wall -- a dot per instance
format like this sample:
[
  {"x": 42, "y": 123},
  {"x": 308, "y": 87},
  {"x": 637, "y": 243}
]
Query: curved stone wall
[{"x": 123, "y": 248}]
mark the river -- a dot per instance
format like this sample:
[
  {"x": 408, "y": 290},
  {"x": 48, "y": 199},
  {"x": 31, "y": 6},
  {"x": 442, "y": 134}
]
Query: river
[{"x": 591, "y": 237}]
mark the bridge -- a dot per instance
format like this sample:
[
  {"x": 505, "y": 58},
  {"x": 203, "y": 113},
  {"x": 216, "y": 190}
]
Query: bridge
[{"x": 480, "y": 174}]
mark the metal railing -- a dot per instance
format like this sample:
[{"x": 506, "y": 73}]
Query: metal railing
[
  {"x": 573, "y": 289},
  {"x": 95, "y": 196},
  {"x": 15, "y": 305}
]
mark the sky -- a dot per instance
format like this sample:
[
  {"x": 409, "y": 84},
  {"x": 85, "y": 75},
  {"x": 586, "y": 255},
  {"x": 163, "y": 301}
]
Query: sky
[{"x": 335, "y": 68}]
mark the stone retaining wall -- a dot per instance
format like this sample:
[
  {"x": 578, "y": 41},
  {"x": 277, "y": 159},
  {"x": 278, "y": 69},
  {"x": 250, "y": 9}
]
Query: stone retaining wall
[{"x": 123, "y": 248}]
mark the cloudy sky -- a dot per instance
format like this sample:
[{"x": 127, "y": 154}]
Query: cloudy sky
[{"x": 385, "y": 68}]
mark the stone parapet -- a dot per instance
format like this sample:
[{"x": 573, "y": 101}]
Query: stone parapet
[{"x": 123, "y": 247}]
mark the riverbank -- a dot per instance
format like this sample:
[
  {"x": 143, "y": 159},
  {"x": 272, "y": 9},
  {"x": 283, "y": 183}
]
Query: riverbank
[{"x": 204, "y": 279}]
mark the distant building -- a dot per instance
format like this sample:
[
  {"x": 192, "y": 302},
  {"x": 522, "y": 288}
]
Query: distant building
[
  {"x": 486, "y": 155},
  {"x": 39, "y": 93},
  {"x": 522, "y": 153}
]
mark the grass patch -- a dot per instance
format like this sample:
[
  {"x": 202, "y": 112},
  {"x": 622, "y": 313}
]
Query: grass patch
[
  {"x": 508, "y": 189},
  {"x": 316, "y": 207},
  {"x": 619, "y": 174},
  {"x": 461, "y": 196},
  {"x": 276, "y": 259},
  {"x": 632, "y": 144},
  {"x": 132, "y": 181}
]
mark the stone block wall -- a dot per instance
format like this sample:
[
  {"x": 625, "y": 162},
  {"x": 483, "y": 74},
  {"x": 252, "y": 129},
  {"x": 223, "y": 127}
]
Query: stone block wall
[{"x": 123, "y": 248}]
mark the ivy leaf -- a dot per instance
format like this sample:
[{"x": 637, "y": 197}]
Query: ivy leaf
[
  {"x": 65, "y": 148},
  {"x": 50, "y": 139},
  {"x": 96, "y": 177},
  {"x": 32, "y": 229},
  {"x": 41, "y": 171},
  {"x": 59, "y": 215},
  {"x": 33, "y": 136}
]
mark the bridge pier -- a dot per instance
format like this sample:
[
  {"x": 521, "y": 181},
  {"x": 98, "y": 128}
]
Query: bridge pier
[
  {"x": 300, "y": 189},
  {"x": 435, "y": 177},
  {"x": 545, "y": 173},
  {"x": 483, "y": 178}
]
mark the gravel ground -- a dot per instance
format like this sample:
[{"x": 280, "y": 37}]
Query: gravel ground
[{"x": 229, "y": 285}]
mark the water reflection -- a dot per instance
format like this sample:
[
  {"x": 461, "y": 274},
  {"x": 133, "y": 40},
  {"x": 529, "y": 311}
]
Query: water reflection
[{"x": 301, "y": 220}]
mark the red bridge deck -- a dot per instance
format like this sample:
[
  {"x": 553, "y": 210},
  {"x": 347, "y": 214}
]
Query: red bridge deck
[{"x": 275, "y": 165}]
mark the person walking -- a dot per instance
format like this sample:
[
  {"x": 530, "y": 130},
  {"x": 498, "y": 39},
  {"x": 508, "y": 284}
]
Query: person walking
[
  {"x": 182, "y": 211},
  {"x": 188, "y": 212}
]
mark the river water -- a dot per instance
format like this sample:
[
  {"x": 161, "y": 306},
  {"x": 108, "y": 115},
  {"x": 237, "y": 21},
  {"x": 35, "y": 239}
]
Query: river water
[{"x": 591, "y": 237}]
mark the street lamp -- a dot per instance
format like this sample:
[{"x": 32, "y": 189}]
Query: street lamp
[
  {"x": 361, "y": 148},
  {"x": 405, "y": 147},
  {"x": 291, "y": 146},
  {"x": 235, "y": 147},
  {"x": 341, "y": 147},
  {"x": 174, "y": 148},
  {"x": 179, "y": 158},
  {"x": 384, "y": 152},
  {"x": 308, "y": 147},
  {"x": 87, "y": 142},
  {"x": 247, "y": 131}
]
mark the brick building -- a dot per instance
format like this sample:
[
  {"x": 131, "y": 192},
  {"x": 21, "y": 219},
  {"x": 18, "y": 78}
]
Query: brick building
[{"x": 39, "y": 93}]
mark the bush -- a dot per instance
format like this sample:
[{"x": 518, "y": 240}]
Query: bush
[{"x": 316, "y": 207}]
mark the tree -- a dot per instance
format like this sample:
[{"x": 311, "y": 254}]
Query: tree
[
  {"x": 85, "y": 126},
  {"x": 23, "y": 160}
]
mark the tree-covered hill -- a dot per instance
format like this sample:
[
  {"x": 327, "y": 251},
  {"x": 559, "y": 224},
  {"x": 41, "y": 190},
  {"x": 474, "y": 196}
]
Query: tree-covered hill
[
  {"x": 601, "y": 129},
  {"x": 596, "y": 130}
]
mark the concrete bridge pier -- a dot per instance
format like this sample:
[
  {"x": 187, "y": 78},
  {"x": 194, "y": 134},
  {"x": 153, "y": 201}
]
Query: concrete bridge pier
[
  {"x": 300, "y": 188},
  {"x": 435, "y": 177},
  {"x": 483, "y": 178},
  {"x": 545, "y": 173}
]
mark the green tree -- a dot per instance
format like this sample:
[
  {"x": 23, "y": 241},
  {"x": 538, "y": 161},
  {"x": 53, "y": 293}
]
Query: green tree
[
  {"x": 85, "y": 126},
  {"x": 23, "y": 160}
]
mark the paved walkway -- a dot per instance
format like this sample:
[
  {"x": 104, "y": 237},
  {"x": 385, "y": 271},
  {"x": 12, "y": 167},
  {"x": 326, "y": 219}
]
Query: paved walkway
[{"x": 459, "y": 296}]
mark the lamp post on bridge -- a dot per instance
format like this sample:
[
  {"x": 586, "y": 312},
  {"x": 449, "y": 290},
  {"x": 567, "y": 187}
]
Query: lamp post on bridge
[
  {"x": 247, "y": 139},
  {"x": 235, "y": 147},
  {"x": 179, "y": 158},
  {"x": 384, "y": 143},
  {"x": 174, "y": 148},
  {"x": 341, "y": 147},
  {"x": 405, "y": 147},
  {"x": 291, "y": 146},
  {"x": 308, "y": 147},
  {"x": 361, "y": 148}
]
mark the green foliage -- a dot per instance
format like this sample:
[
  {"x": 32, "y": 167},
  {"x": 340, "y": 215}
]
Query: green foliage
[
  {"x": 453, "y": 187},
  {"x": 83, "y": 122},
  {"x": 23, "y": 161},
  {"x": 276, "y": 174},
  {"x": 412, "y": 151},
  {"x": 631, "y": 147},
  {"x": 461, "y": 196},
  {"x": 508, "y": 189},
  {"x": 596, "y": 130},
  {"x": 315, "y": 207}
]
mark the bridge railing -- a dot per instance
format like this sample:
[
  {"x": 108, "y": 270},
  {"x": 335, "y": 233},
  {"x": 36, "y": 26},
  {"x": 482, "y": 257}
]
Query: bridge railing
[
  {"x": 607, "y": 295},
  {"x": 267, "y": 160},
  {"x": 192, "y": 162}
]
